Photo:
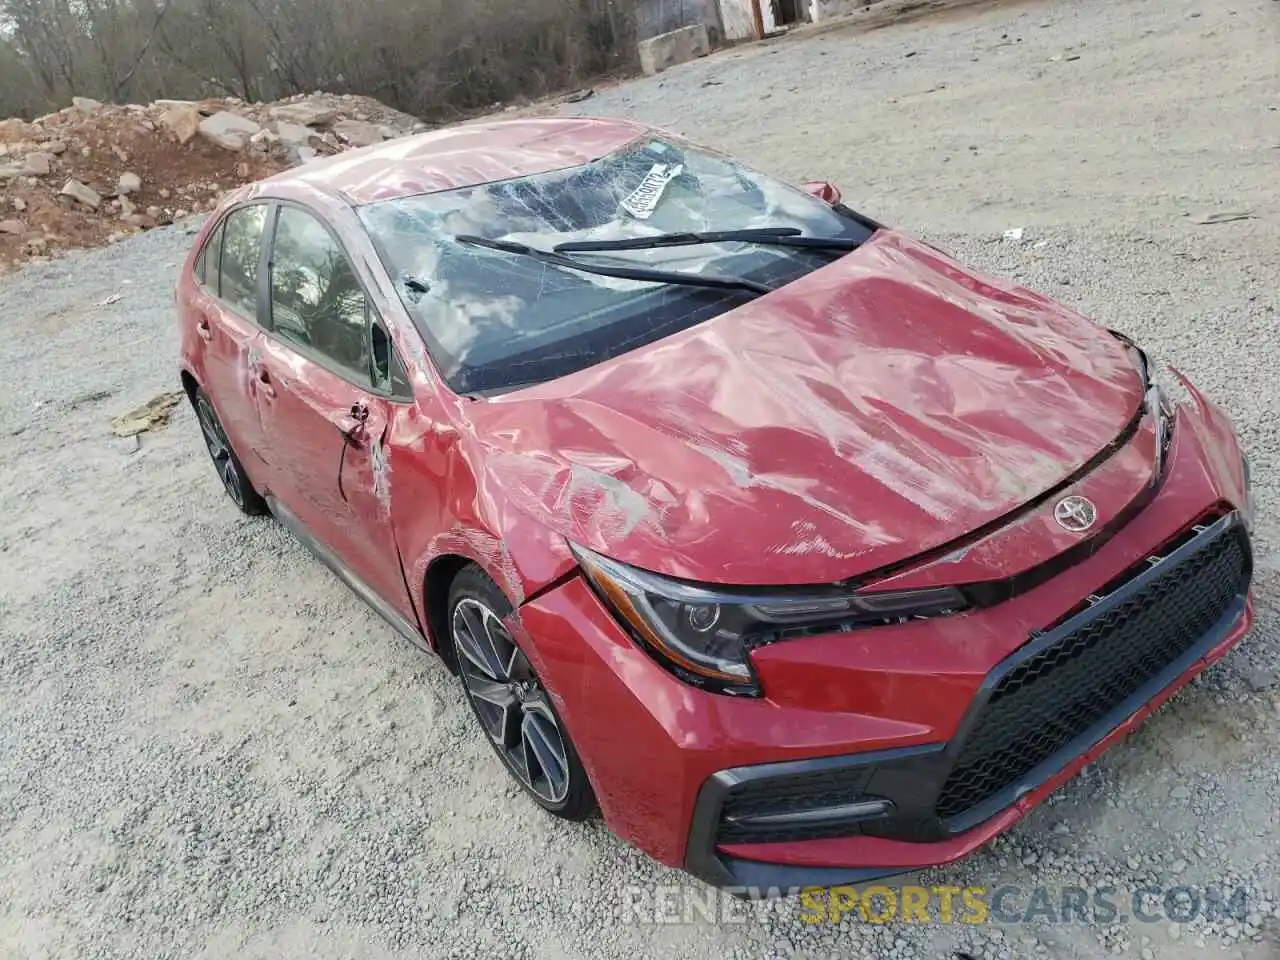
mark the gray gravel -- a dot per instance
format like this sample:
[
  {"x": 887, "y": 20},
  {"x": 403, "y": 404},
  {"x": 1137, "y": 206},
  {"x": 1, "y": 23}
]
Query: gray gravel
[{"x": 208, "y": 748}]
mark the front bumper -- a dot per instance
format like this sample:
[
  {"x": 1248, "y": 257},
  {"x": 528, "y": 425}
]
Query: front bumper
[
  {"x": 1039, "y": 716},
  {"x": 884, "y": 714}
]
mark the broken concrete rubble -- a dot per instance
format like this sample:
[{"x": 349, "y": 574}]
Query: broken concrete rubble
[
  {"x": 79, "y": 191},
  {"x": 358, "y": 133},
  {"x": 307, "y": 113},
  {"x": 38, "y": 164},
  {"x": 82, "y": 174},
  {"x": 228, "y": 130},
  {"x": 294, "y": 134},
  {"x": 183, "y": 121}
]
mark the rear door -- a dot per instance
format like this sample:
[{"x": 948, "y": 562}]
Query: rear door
[
  {"x": 226, "y": 309},
  {"x": 326, "y": 405}
]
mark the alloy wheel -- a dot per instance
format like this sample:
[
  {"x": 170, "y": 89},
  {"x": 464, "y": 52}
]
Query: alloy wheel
[
  {"x": 220, "y": 450},
  {"x": 510, "y": 701}
]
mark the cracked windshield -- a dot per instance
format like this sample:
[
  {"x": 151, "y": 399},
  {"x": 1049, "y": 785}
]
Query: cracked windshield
[{"x": 501, "y": 308}]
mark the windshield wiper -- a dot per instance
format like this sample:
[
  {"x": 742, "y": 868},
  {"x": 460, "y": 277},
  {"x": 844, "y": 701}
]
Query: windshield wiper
[
  {"x": 768, "y": 236},
  {"x": 622, "y": 273}
]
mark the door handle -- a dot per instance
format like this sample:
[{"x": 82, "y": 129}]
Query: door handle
[
  {"x": 204, "y": 330},
  {"x": 352, "y": 426},
  {"x": 354, "y": 433},
  {"x": 264, "y": 382}
]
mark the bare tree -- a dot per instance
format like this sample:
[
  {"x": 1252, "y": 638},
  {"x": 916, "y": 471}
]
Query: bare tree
[{"x": 432, "y": 58}]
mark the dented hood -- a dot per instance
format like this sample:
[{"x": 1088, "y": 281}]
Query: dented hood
[{"x": 876, "y": 408}]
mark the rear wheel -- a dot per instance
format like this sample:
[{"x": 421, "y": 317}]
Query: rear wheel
[
  {"x": 510, "y": 701},
  {"x": 234, "y": 480}
]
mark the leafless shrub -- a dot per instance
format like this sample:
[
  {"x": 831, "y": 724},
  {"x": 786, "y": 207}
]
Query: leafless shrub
[{"x": 433, "y": 58}]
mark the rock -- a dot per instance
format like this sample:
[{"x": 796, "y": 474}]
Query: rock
[
  {"x": 358, "y": 133},
  {"x": 78, "y": 191},
  {"x": 19, "y": 204},
  {"x": 1015, "y": 234},
  {"x": 264, "y": 138},
  {"x": 127, "y": 209},
  {"x": 182, "y": 120},
  {"x": 128, "y": 183},
  {"x": 9, "y": 172},
  {"x": 294, "y": 134},
  {"x": 56, "y": 147},
  {"x": 14, "y": 129},
  {"x": 228, "y": 130},
  {"x": 13, "y": 227},
  {"x": 1178, "y": 866},
  {"x": 306, "y": 154},
  {"x": 37, "y": 164},
  {"x": 120, "y": 154},
  {"x": 85, "y": 104},
  {"x": 308, "y": 113},
  {"x": 1180, "y": 792}
]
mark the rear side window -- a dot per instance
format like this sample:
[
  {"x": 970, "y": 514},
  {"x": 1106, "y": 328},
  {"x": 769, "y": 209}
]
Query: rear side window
[
  {"x": 207, "y": 266},
  {"x": 241, "y": 239},
  {"x": 316, "y": 299}
]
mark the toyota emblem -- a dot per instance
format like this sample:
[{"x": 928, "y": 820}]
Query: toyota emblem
[{"x": 1076, "y": 514}]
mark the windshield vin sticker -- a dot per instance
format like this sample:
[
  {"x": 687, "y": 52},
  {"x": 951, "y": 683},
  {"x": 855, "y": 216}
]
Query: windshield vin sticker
[{"x": 644, "y": 199}]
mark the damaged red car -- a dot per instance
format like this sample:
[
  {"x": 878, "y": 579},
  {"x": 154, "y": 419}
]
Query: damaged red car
[{"x": 805, "y": 553}]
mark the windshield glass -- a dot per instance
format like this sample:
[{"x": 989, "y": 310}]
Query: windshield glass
[{"x": 496, "y": 320}]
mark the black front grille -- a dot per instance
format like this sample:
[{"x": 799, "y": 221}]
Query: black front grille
[
  {"x": 806, "y": 791},
  {"x": 1059, "y": 693}
]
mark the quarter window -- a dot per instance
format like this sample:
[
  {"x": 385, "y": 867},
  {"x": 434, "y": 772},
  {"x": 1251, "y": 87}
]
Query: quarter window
[
  {"x": 316, "y": 300},
  {"x": 241, "y": 249},
  {"x": 207, "y": 268}
]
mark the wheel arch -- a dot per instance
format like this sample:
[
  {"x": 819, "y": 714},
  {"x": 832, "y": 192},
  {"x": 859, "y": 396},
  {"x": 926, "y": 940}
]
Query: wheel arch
[
  {"x": 189, "y": 384},
  {"x": 436, "y": 582}
]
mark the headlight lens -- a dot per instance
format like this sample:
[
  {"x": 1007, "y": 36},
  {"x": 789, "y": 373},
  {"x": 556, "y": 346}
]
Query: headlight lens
[{"x": 705, "y": 634}]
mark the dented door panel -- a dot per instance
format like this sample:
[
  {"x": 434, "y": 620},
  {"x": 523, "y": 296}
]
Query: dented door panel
[{"x": 339, "y": 488}]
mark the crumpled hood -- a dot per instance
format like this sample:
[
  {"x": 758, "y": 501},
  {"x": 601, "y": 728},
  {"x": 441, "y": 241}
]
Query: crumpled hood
[{"x": 876, "y": 408}]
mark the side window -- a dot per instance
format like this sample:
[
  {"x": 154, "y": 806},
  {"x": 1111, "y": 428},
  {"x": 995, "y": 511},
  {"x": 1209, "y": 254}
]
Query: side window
[
  {"x": 241, "y": 237},
  {"x": 316, "y": 299},
  {"x": 207, "y": 267}
]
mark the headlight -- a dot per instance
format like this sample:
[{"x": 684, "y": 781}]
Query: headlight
[{"x": 704, "y": 635}]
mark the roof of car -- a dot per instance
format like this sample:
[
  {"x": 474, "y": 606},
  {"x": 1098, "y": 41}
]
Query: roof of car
[{"x": 463, "y": 156}]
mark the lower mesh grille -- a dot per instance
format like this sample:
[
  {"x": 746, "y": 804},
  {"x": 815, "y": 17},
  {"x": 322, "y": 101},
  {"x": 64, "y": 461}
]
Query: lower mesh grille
[
  {"x": 806, "y": 791},
  {"x": 1060, "y": 692}
]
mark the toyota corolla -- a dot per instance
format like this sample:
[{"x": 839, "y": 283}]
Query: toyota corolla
[{"x": 802, "y": 552}]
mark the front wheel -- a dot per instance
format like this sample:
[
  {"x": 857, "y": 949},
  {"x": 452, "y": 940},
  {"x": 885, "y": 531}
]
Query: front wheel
[{"x": 510, "y": 701}]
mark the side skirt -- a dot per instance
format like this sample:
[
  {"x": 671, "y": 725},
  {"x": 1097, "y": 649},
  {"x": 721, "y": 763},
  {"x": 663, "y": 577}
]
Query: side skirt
[{"x": 344, "y": 573}]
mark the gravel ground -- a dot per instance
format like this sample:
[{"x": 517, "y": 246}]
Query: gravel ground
[{"x": 209, "y": 748}]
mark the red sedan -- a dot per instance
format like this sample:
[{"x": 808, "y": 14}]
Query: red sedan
[{"x": 806, "y": 553}]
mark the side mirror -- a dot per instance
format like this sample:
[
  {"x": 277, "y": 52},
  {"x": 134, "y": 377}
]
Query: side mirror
[{"x": 822, "y": 189}]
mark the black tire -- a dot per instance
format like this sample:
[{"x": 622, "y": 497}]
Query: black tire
[
  {"x": 524, "y": 729},
  {"x": 230, "y": 471}
]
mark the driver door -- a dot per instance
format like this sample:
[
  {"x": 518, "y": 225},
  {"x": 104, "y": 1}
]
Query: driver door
[{"x": 326, "y": 406}]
